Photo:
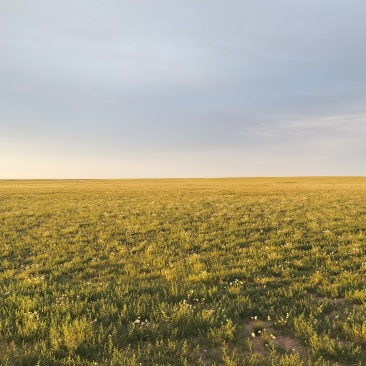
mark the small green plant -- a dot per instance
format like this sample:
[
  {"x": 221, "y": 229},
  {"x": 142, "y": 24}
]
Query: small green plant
[{"x": 223, "y": 333}]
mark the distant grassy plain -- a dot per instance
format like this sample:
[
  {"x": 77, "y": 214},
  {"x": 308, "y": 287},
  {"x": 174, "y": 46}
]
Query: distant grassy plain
[{"x": 267, "y": 271}]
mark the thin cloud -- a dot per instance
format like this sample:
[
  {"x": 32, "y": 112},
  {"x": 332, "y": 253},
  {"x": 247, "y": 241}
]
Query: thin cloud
[{"x": 265, "y": 80}]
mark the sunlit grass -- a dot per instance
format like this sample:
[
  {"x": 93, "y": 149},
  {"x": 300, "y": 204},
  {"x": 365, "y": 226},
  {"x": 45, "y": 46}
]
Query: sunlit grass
[{"x": 183, "y": 272}]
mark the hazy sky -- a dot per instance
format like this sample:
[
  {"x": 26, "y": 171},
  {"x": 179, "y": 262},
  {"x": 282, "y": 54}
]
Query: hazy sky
[{"x": 193, "y": 88}]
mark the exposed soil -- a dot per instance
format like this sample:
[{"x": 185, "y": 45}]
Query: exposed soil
[{"x": 268, "y": 337}]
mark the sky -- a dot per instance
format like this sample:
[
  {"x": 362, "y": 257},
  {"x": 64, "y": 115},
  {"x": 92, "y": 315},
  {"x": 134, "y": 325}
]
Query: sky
[{"x": 193, "y": 88}]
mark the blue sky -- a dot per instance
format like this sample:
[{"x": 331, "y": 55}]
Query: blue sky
[{"x": 122, "y": 89}]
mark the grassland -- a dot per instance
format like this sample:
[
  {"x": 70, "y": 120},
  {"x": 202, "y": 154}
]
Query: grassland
[{"x": 183, "y": 272}]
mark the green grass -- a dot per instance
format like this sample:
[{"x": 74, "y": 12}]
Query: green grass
[{"x": 268, "y": 271}]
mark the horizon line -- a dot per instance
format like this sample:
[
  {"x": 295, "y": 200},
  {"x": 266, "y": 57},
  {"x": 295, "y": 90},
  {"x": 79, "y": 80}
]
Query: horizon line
[{"x": 183, "y": 178}]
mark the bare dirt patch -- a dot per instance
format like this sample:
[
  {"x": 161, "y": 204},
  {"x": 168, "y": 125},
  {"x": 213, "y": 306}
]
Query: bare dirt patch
[
  {"x": 289, "y": 344},
  {"x": 263, "y": 336},
  {"x": 336, "y": 300}
]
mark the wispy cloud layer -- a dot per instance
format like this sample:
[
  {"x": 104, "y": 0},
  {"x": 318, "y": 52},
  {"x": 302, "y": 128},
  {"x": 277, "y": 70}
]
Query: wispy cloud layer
[{"x": 122, "y": 82}]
